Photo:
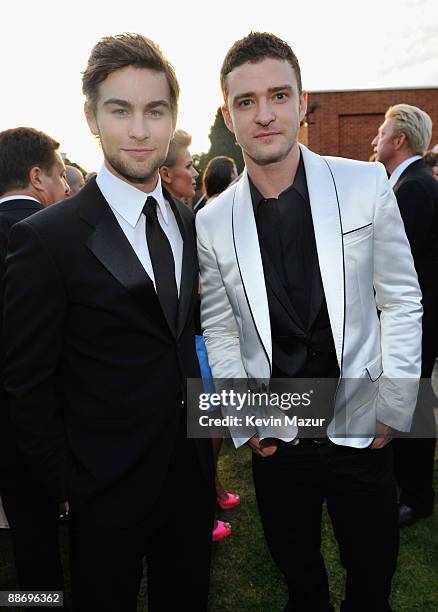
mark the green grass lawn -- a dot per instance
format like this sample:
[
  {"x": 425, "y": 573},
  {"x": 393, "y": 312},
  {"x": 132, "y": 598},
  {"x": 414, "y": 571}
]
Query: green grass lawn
[{"x": 244, "y": 577}]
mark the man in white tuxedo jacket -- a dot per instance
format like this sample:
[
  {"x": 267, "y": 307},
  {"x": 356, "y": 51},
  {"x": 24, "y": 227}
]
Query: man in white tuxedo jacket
[{"x": 296, "y": 260}]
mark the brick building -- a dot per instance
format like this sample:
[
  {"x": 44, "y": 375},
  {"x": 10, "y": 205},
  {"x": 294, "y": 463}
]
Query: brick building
[{"x": 343, "y": 123}]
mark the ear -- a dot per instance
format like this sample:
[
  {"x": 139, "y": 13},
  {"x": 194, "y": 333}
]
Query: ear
[
  {"x": 36, "y": 178},
  {"x": 227, "y": 118},
  {"x": 400, "y": 141},
  {"x": 91, "y": 119},
  {"x": 166, "y": 174},
  {"x": 303, "y": 105}
]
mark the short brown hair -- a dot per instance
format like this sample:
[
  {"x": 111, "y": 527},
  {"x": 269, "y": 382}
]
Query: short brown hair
[
  {"x": 431, "y": 159},
  {"x": 114, "y": 52},
  {"x": 21, "y": 149},
  {"x": 255, "y": 47},
  {"x": 180, "y": 140}
]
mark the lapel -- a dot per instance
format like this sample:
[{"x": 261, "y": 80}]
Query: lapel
[
  {"x": 328, "y": 235},
  {"x": 189, "y": 269},
  {"x": 110, "y": 246},
  {"x": 413, "y": 168},
  {"x": 249, "y": 261}
]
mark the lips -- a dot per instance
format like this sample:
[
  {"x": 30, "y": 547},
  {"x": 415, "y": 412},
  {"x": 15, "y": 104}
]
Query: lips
[
  {"x": 266, "y": 134},
  {"x": 138, "y": 152}
]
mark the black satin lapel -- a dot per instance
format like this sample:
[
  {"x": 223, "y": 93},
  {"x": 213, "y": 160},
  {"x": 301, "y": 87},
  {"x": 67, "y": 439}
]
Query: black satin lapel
[
  {"x": 274, "y": 282},
  {"x": 111, "y": 247},
  {"x": 189, "y": 270}
]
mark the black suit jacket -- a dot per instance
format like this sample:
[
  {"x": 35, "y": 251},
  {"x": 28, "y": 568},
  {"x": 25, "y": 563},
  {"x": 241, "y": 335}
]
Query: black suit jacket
[
  {"x": 417, "y": 196},
  {"x": 95, "y": 375},
  {"x": 11, "y": 212}
]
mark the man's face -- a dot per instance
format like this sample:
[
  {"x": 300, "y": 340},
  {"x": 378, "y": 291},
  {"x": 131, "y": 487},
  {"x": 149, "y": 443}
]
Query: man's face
[
  {"x": 75, "y": 180},
  {"x": 54, "y": 183},
  {"x": 385, "y": 143},
  {"x": 133, "y": 120},
  {"x": 264, "y": 109}
]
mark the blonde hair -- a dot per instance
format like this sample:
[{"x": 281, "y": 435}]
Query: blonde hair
[
  {"x": 414, "y": 123},
  {"x": 180, "y": 140}
]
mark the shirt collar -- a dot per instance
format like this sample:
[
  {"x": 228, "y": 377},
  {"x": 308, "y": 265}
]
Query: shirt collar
[
  {"x": 18, "y": 197},
  {"x": 299, "y": 184},
  {"x": 401, "y": 168},
  {"x": 126, "y": 199}
]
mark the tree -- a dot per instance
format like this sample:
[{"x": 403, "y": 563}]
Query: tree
[{"x": 223, "y": 142}]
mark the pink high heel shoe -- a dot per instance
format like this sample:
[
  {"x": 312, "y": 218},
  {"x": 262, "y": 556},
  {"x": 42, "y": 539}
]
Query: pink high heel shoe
[
  {"x": 221, "y": 531},
  {"x": 231, "y": 501}
]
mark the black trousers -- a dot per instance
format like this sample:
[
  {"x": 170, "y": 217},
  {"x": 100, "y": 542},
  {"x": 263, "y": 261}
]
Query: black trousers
[
  {"x": 414, "y": 455},
  {"x": 359, "y": 487},
  {"x": 175, "y": 540},
  {"x": 33, "y": 518}
]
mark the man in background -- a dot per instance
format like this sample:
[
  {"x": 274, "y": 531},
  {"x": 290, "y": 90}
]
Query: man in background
[
  {"x": 75, "y": 179},
  {"x": 400, "y": 144},
  {"x": 32, "y": 177}
]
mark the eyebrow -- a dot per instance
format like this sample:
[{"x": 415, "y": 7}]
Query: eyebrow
[
  {"x": 250, "y": 94},
  {"x": 126, "y": 104}
]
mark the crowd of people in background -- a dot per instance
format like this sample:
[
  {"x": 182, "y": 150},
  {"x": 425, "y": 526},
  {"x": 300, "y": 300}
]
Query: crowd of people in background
[{"x": 49, "y": 322}]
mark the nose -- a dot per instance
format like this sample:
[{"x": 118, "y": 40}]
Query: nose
[
  {"x": 264, "y": 116},
  {"x": 374, "y": 141},
  {"x": 195, "y": 173},
  {"x": 138, "y": 128},
  {"x": 67, "y": 189}
]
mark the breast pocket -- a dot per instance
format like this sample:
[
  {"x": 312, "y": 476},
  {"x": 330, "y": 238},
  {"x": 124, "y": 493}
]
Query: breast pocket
[{"x": 357, "y": 235}]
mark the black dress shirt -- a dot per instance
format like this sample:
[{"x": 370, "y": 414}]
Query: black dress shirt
[
  {"x": 286, "y": 236},
  {"x": 302, "y": 340}
]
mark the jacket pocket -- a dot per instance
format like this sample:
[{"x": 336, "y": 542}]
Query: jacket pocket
[
  {"x": 374, "y": 369},
  {"x": 358, "y": 234}
]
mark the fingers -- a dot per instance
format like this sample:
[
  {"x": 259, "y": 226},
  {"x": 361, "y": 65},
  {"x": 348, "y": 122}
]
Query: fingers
[
  {"x": 380, "y": 442},
  {"x": 268, "y": 446}
]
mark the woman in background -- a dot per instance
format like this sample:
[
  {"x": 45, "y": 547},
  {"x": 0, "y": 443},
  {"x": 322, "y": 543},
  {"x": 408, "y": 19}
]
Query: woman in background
[
  {"x": 220, "y": 172},
  {"x": 179, "y": 177},
  {"x": 177, "y": 173}
]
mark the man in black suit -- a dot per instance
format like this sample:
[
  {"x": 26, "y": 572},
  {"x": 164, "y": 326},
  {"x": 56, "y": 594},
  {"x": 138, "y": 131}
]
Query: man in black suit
[
  {"x": 32, "y": 177},
  {"x": 400, "y": 144},
  {"x": 97, "y": 373}
]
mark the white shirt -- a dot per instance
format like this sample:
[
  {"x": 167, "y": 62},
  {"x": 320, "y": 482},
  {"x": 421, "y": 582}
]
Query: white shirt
[
  {"x": 126, "y": 202},
  {"x": 401, "y": 168},
  {"x": 18, "y": 197}
]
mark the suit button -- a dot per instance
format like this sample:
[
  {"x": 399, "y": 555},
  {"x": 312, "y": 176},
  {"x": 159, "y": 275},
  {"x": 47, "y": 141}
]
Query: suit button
[{"x": 313, "y": 353}]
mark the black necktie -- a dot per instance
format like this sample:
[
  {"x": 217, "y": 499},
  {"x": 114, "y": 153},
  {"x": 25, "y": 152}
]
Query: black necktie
[{"x": 163, "y": 263}]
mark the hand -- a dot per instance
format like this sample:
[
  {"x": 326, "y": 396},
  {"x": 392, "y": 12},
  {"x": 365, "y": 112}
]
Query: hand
[
  {"x": 63, "y": 511},
  {"x": 265, "y": 448},
  {"x": 383, "y": 435}
]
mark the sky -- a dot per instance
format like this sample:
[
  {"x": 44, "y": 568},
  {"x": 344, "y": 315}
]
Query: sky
[{"x": 340, "y": 44}]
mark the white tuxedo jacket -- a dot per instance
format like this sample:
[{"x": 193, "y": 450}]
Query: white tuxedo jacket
[{"x": 365, "y": 262}]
